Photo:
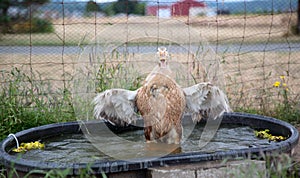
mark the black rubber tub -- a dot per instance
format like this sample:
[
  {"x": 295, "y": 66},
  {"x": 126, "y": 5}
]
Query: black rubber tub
[{"x": 139, "y": 167}]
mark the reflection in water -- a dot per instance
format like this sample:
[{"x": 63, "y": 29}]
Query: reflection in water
[
  {"x": 162, "y": 148},
  {"x": 72, "y": 148}
]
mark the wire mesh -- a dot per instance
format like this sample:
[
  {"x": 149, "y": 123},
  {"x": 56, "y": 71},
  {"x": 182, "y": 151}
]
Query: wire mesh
[{"x": 252, "y": 42}]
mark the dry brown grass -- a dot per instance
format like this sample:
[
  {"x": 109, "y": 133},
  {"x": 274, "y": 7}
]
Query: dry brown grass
[
  {"x": 248, "y": 28},
  {"x": 221, "y": 29},
  {"x": 250, "y": 77},
  {"x": 42, "y": 67}
]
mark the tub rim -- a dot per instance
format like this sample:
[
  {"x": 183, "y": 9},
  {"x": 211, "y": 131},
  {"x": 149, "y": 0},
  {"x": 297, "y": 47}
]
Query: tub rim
[{"x": 103, "y": 166}]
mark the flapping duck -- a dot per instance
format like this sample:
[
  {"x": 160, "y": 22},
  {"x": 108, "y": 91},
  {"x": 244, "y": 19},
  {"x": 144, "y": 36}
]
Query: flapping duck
[{"x": 161, "y": 102}]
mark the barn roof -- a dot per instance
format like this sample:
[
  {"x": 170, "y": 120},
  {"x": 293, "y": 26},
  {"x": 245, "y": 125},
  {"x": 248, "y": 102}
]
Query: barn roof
[{"x": 191, "y": 3}]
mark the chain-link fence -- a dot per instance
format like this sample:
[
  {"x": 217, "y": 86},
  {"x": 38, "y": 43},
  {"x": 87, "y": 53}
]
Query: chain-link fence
[{"x": 253, "y": 44}]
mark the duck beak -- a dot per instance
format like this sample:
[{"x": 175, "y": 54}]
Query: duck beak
[
  {"x": 163, "y": 63},
  {"x": 163, "y": 56}
]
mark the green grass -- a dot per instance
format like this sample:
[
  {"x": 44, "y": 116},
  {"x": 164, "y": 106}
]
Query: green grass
[
  {"x": 288, "y": 113},
  {"x": 275, "y": 166},
  {"x": 107, "y": 75},
  {"x": 54, "y": 173},
  {"x": 29, "y": 102},
  {"x": 284, "y": 106}
]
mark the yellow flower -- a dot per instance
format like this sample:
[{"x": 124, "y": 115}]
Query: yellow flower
[
  {"x": 276, "y": 84},
  {"x": 19, "y": 150},
  {"x": 266, "y": 135},
  {"x": 284, "y": 84},
  {"x": 29, "y": 146},
  {"x": 282, "y": 77}
]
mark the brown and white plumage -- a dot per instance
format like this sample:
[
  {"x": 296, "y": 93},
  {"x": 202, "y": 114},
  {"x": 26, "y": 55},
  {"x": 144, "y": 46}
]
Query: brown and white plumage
[
  {"x": 205, "y": 100},
  {"x": 161, "y": 103}
]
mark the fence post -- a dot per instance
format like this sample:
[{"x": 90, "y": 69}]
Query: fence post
[{"x": 298, "y": 18}]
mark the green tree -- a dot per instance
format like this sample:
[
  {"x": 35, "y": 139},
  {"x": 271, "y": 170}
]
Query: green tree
[
  {"x": 109, "y": 10},
  {"x": 5, "y": 19},
  {"x": 126, "y": 7},
  {"x": 91, "y": 7},
  {"x": 140, "y": 9}
]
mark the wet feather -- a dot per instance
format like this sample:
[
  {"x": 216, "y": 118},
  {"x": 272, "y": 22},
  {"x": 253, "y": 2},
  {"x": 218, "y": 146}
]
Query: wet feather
[{"x": 161, "y": 103}]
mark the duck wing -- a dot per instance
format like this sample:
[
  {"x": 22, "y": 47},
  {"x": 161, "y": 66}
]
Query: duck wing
[
  {"x": 205, "y": 100},
  {"x": 116, "y": 106}
]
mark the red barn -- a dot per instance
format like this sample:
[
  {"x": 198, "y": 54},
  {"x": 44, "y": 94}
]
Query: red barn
[
  {"x": 187, "y": 8},
  {"x": 161, "y": 11}
]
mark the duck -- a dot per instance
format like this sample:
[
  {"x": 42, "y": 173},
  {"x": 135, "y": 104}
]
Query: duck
[{"x": 161, "y": 102}]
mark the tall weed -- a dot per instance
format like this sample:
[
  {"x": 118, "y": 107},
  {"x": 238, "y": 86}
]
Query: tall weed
[{"x": 28, "y": 102}]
